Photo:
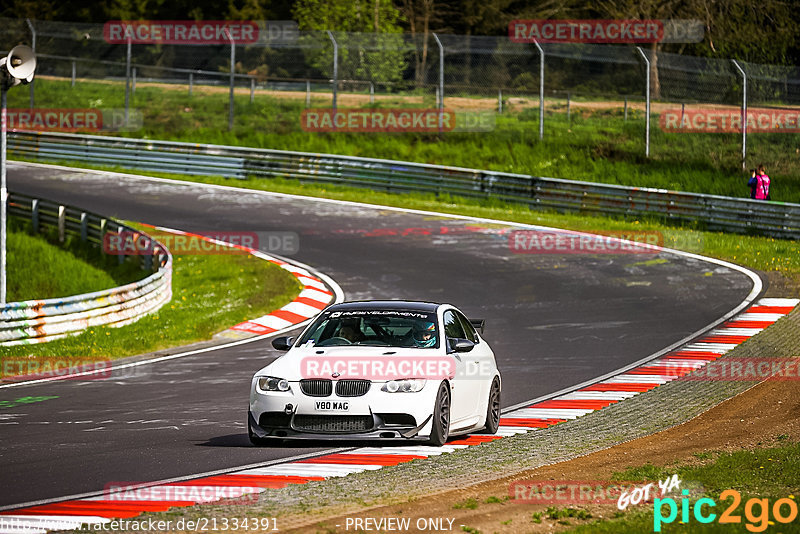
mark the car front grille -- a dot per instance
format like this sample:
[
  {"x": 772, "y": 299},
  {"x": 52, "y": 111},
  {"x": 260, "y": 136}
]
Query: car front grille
[
  {"x": 332, "y": 423},
  {"x": 316, "y": 388},
  {"x": 352, "y": 388}
]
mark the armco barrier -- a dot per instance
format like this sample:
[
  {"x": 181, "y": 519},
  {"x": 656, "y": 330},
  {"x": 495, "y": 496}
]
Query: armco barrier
[
  {"x": 713, "y": 212},
  {"x": 37, "y": 321}
]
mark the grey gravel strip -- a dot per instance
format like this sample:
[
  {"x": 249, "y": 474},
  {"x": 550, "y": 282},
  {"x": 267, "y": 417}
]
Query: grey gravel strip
[{"x": 659, "y": 409}]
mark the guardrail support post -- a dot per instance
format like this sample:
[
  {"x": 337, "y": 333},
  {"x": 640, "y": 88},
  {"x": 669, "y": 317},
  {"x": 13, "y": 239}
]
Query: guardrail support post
[
  {"x": 744, "y": 113},
  {"x": 441, "y": 81},
  {"x": 541, "y": 90},
  {"x": 74, "y": 69},
  {"x": 62, "y": 223},
  {"x": 103, "y": 225},
  {"x": 647, "y": 102},
  {"x": 84, "y": 226},
  {"x": 120, "y": 257},
  {"x": 35, "y": 215},
  {"x": 335, "y": 68},
  {"x": 33, "y": 47}
]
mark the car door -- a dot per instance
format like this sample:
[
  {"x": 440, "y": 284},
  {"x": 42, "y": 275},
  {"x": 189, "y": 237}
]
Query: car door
[
  {"x": 465, "y": 390},
  {"x": 480, "y": 363}
]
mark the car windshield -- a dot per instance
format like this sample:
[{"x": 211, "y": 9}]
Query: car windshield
[{"x": 377, "y": 328}]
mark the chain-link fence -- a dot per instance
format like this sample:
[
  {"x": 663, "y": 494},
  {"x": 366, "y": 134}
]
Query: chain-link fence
[{"x": 557, "y": 83}]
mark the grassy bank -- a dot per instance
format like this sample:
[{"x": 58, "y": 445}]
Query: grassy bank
[
  {"x": 596, "y": 144},
  {"x": 209, "y": 293},
  {"x": 41, "y": 268},
  {"x": 767, "y": 474}
]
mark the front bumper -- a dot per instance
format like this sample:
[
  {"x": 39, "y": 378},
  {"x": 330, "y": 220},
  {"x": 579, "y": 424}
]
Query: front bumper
[{"x": 378, "y": 430}]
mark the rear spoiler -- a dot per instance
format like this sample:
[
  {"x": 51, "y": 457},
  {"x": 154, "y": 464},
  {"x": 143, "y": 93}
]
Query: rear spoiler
[{"x": 478, "y": 324}]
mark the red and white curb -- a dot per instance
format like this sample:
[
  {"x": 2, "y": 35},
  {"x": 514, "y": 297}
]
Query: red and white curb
[
  {"x": 313, "y": 298},
  {"x": 239, "y": 484}
]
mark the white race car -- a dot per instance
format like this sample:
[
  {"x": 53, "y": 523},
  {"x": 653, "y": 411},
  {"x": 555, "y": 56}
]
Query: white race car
[{"x": 378, "y": 370}]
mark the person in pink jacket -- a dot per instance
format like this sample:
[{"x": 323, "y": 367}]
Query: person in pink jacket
[{"x": 759, "y": 184}]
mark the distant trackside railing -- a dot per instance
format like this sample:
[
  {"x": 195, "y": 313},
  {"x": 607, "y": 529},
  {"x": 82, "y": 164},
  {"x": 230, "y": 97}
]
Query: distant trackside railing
[
  {"x": 36, "y": 321},
  {"x": 713, "y": 212}
]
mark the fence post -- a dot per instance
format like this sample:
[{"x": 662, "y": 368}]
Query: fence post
[
  {"x": 335, "y": 68},
  {"x": 541, "y": 90},
  {"x": 308, "y": 93},
  {"x": 74, "y": 69},
  {"x": 191, "y": 82},
  {"x": 441, "y": 81},
  {"x": 33, "y": 47},
  {"x": 568, "y": 110},
  {"x": 120, "y": 257},
  {"x": 500, "y": 100},
  {"x": 647, "y": 104},
  {"x": 127, "y": 79},
  {"x": 133, "y": 80},
  {"x": 252, "y": 90},
  {"x": 744, "y": 113},
  {"x": 232, "y": 79},
  {"x": 626, "y": 108},
  {"x": 371, "y": 93}
]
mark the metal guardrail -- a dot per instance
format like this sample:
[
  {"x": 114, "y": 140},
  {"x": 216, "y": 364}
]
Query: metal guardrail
[
  {"x": 713, "y": 212},
  {"x": 37, "y": 321}
]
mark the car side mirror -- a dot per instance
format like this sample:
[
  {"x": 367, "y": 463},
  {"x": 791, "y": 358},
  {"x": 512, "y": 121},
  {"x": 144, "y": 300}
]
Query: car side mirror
[
  {"x": 282, "y": 343},
  {"x": 478, "y": 324},
  {"x": 462, "y": 345}
]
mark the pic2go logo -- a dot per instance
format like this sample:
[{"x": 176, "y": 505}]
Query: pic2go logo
[{"x": 758, "y": 521}]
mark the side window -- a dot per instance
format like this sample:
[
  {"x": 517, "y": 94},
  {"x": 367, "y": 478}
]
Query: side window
[
  {"x": 452, "y": 326},
  {"x": 472, "y": 335}
]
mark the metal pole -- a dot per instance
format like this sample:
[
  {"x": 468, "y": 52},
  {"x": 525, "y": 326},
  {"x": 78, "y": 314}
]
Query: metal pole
[
  {"x": 499, "y": 100},
  {"x": 744, "y": 113},
  {"x": 127, "y": 79},
  {"x": 3, "y": 196},
  {"x": 335, "y": 68},
  {"x": 191, "y": 82},
  {"x": 626, "y": 107},
  {"x": 232, "y": 80},
  {"x": 441, "y": 81},
  {"x": 647, "y": 104},
  {"x": 133, "y": 80},
  {"x": 252, "y": 90},
  {"x": 74, "y": 69},
  {"x": 541, "y": 90},
  {"x": 33, "y": 47},
  {"x": 308, "y": 93},
  {"x": 371, "y": 93},
  {"x": 568, "y": 114}
]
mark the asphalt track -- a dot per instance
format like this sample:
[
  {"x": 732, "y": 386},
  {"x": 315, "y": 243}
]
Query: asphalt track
[{"x": 552, "y": 320}]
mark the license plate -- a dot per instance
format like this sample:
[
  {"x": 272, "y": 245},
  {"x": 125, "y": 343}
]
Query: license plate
[{"x": 332, "y": 406}]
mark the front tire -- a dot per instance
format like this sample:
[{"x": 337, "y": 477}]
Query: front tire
[
  {"x": 493, "y": 409},
  {"x": 440, "y": 429}
]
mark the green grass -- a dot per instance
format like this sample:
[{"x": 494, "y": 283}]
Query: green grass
[
  {"x": 597, "y": 145},
  {"x": 768, "y": 473},
  {"x": 41, "y": 268},
  {"x": 210, "y": 293}
]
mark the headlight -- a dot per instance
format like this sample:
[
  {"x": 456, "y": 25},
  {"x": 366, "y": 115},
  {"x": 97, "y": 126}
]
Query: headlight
[
  {"x": 270, "y": 383},
  {"x": 409, "y": 385}
]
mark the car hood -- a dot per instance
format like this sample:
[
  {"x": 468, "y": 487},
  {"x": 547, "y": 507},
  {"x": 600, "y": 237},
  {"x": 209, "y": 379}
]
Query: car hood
[{"x": 294, "y": 364}]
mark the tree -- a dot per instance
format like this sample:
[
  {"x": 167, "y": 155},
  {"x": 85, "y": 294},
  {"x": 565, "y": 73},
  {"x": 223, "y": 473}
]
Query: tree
[{"x": 372, "y": 47}]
